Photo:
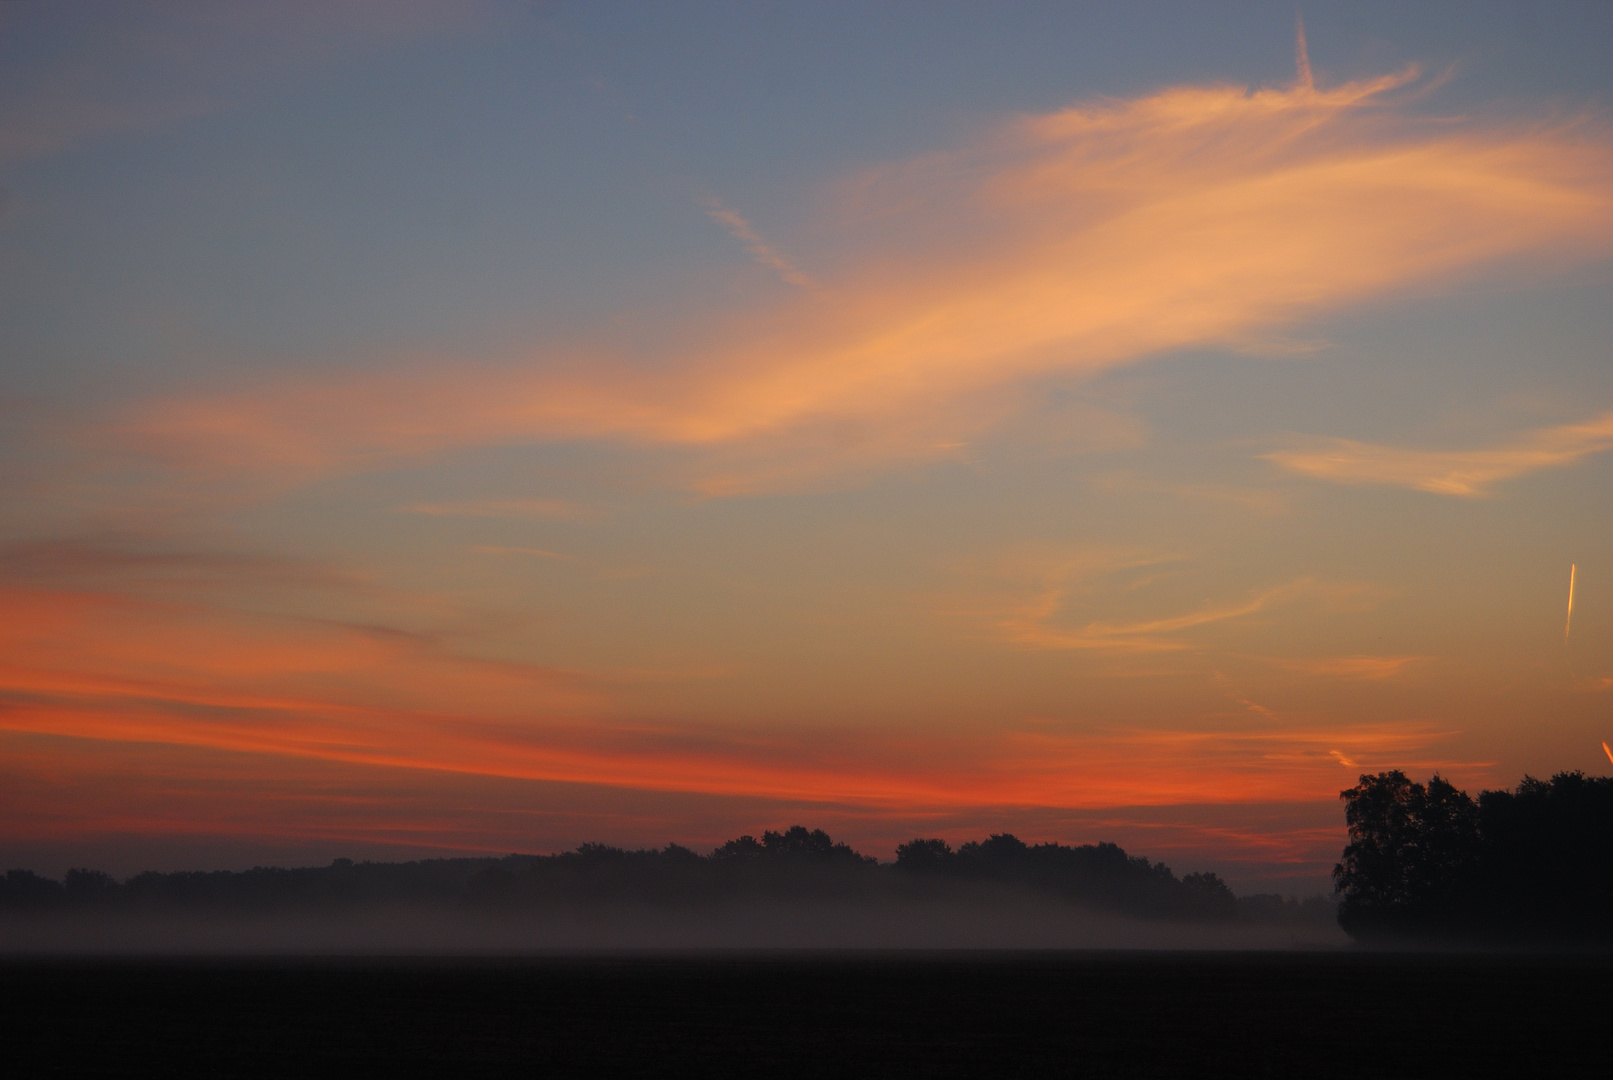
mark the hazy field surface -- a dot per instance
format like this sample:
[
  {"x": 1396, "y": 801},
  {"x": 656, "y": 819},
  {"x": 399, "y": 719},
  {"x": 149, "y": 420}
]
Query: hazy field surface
[{"x": 924, "y": 1014}]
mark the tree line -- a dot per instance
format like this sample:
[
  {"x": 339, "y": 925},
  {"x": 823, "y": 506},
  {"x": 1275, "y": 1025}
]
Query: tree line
[
  {"x": 1533, "y": 864},
  {"x": 795, "y": 864}
]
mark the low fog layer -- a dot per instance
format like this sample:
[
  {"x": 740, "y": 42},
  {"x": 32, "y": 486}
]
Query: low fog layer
[
  {"x": 796, "y": 889},
  {"x": 1002, "y": 922}
]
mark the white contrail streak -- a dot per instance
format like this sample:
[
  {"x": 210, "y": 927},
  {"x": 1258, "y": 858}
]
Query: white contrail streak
[{"x": 1569, "y": 623}]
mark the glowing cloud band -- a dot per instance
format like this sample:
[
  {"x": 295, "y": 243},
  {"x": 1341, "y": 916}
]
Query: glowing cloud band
[{"x": 1061, "y": 244}]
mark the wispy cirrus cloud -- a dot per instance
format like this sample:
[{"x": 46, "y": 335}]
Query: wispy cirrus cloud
[
  {"x": 1055, "y": 246},
  {"x": 1467, "y": 473},
  {"x": 122, "y": 655},
  {"x": 132, "y": 794},
  {"x": 757, "y": 248},
  {"x": 1072, "y": 601},
  {"x": 1034, "y": 626},
  {"x": 1372, "y": 668},
  {"x": 133, "y": 560},
  {"x": 505, "y": 508},
  {"x": 361, "y": 696},
  {"x": 117, "y": 669}
]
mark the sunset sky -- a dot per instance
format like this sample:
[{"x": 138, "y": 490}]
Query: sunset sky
[{"x": 473, "y": 428}]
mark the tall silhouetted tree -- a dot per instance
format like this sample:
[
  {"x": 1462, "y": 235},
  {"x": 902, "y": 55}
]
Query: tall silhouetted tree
[{"x": 1411, "y": 848}]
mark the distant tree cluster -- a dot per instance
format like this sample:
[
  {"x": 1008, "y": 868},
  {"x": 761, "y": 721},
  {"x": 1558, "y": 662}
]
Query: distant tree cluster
[
  {"x": 1093, "y": 875},
  {"x": 1428, "y": 860},
  {"x": 796, "y": 864},
  {"x": 793, "y": 843}
]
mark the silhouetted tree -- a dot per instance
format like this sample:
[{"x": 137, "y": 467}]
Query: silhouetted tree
[
  {"x": 1536, "y": 863},
  {"x": 1001, "y": 851},
  {"x": 1411, "y": 848},
  {"x": 1093, "y": 875},
  {"x": 925, "y": 856},
  {"x": 797, "y": 842},
  {"x": 593, "y": 854},
  {"x": 744, "y": 847},
  {"x": 1208, "y": 896},
  {"x": 677, "y": 853},
  {"x": 1546, "y": 857},
  {"x": 24, "y": 890}
]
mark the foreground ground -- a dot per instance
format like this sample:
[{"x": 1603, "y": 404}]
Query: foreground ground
[{"x": 846, "y": 1014}]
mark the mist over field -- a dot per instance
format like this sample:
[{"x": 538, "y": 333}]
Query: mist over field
[
  {"x": 986, "y": 920},
  {"x": 790, "y": 890}
]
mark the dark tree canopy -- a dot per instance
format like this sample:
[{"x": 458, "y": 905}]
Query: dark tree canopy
[
  {"x": 923, "y": 855},
  {"x": 1410, "y": 844},
  {"x": 1099, "y": 875},
  {"x": 1426, "y": 859}
]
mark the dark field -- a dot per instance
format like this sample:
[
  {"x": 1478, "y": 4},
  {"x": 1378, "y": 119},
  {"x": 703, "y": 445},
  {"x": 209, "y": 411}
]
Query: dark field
[{"x": 1294, "y": 1014}]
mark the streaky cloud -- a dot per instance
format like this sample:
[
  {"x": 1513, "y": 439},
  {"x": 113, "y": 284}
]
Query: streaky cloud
[
  {"x": 1464, "y": 473},
  {"x": 107, "y": 668},
  {"x": 757, "y": 248},
  {"x": 1055, "y": 246},
  {"x": 1371, "y": 668},
  {"x": 131, "y": 558},
  {"x": 1044, "y": 600},
  {"x": 505, "y": 508}
]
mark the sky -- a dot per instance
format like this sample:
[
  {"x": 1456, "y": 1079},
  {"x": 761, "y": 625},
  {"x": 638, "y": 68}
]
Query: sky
[{"x": 432, "y": 429}]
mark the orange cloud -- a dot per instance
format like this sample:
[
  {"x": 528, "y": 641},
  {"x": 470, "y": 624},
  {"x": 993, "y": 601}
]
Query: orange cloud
[
  {"x": 138, "y": 561},
  {"x": 121, "y": 652},
  {"x": 1058, "y": 245},
  {"x": 1351, "y": 667},
  {"x": 1468, "y": 473},
  {"x": 90, "y": 666}
]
